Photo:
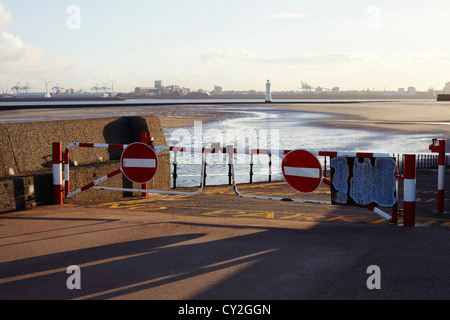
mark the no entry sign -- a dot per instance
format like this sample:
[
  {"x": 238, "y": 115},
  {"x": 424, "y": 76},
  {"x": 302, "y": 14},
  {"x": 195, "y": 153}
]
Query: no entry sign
[
  {"x": 302, "y": 171},
  {"x": 139, "y": 163}
]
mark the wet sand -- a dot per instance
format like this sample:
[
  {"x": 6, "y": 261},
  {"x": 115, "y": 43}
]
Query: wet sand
[
  {"x": 172, "y": 122},
  {"x": 412, "y": 116},
  {"x": 409, "y": 116}
]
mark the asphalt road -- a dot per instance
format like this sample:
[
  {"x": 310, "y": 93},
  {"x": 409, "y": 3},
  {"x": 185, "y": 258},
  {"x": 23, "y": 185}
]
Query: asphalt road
[{"x": 181, "y": 248}]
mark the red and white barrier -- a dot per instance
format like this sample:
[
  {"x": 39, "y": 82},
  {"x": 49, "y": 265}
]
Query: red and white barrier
[
  {"x": 93, "y": 184},
  {"x": 281, "y": 153},
  {"x": 57, "y": 163},
  {"x": 439, "y": 147},
  {"x": 231, "y": 151},
  {"x": 395, "y": 210},
  {"x": 409, "y": 192},
  {"x": 57, "y": 174},
  {"x": 381, "y": 213},
  {"x": 82, "y": 145}
]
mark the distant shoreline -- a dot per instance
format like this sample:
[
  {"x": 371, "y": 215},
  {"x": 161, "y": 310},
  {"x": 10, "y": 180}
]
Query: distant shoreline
[
  {"x": 17, "y": 104},
  {"x": 201, "y": 98},
  {"x": 413, "y": 116}
]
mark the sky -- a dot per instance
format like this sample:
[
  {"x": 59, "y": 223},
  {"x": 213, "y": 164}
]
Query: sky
[{"x": 238, "y": 45}]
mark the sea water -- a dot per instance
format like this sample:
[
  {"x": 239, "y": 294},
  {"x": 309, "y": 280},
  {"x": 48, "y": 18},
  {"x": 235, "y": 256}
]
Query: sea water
[
  {"x": 245, "y": 126},
  {"x": 265, "y": 127}
]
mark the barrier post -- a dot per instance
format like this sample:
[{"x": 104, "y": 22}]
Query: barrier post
[
  {"x": 175, "y": 169},
  {"x": 57, "y": 174},
  {"x": 439, "y": 147},
  {"x": 409, "y": 196},
  {"x": 394, "y": 218},
  {"x": 147, "y": 139}
]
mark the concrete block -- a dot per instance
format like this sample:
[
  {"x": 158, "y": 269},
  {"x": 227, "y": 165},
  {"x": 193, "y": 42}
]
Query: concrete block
[
  {"x": 8, "y": 165},
  {"x": 26, "y": 158},
  {"x": 25, "y": 192}
]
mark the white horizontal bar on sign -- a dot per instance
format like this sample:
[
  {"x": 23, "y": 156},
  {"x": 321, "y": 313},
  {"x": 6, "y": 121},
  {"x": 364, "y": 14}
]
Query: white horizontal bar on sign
[
  {"x": 302, "y": 172},
  {"x": 139, "y": 163}
]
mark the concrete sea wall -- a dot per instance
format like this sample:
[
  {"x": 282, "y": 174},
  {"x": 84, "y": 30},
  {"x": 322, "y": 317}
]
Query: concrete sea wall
[{"x": 26, "y": 158}]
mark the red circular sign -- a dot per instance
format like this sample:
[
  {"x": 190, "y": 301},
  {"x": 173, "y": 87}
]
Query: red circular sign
[
  {"x": 302, "y": 171},
  {"x": 139, "y": 162}
]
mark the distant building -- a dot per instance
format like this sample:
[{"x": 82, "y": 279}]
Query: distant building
[
  {"x": 172, "y": 89},
  {"x": 160, "y": 90},
  {"x": 218, "y": 90},
  {"x": 446, "y": 88},
  {"x": 431, "y": 91},
  {"x": 203, "y": 92},
  {"x": 268, "y": 93},
  {"x": 145, "y": 91},
  {"x": 141, "y": 91},
  {"x": 31, "y": 95},
  {"x": 411, "y": 91}
]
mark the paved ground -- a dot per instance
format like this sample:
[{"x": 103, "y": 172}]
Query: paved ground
[
  {"x": 222, "y": 201},
  {"x": 219, "y": 246}
]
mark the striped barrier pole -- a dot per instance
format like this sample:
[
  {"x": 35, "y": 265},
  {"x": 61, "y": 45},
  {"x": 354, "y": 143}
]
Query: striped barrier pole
[
  {"x": 395, "y": 207},
  {"x": 147, "y": 139},
  {"x": 409, "y": 192},
  {"x": 94, "y": 183},
  {"x": 439, "y": 147},
  {"x": 376, "y": 210},
  {"x": 215, "y": 148},
  {"x": 381, "y": 213},
  {"x": 66, "y": 172},
  {"x": 281, "y": 153},
  {"x": 83, "y": 145},
  {"x": 57, "y": 174},
  {"x": 441, "y": 177}
]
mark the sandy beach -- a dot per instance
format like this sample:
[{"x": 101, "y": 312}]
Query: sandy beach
[
  {"x": 411, "y": 116},
  {"x": 404, "y": 116}
]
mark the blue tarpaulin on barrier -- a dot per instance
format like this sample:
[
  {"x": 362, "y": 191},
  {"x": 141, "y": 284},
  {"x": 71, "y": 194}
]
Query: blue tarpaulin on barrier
[{"x": 363, "y": 181}]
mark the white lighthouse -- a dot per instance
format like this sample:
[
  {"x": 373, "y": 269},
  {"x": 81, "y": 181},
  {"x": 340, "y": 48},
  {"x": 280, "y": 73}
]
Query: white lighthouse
[{"x": 268, "y": 94}]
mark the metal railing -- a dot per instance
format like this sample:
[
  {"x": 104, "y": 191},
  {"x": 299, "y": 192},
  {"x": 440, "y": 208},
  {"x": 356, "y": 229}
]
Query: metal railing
[
  {"x": 422, "y": 161},
  {"x": 251, "y": 170}
]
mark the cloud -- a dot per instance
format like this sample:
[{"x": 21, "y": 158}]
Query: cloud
[
  {"x": 15, "y": 51},
  {"x": 246, "y": 57},
  {"x": 5, "y": 17},
  {"x": 309, "y": 59},
  {"x": 287, "y": 15},
  {"x": 223, "y": 56},
  {"x": 16, "y": 57}
]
